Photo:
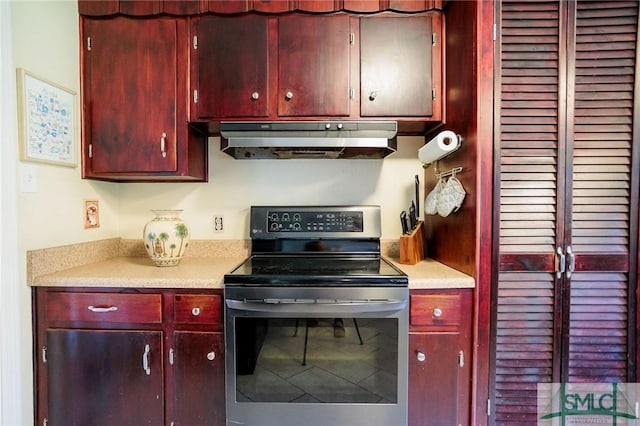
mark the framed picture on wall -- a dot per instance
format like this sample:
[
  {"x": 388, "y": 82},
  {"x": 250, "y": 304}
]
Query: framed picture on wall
[{"x": 47, "y": 120}]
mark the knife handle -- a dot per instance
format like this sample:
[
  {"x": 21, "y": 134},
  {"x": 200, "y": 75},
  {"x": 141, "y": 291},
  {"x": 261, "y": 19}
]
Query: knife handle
[{"x": 404, "y": 223}]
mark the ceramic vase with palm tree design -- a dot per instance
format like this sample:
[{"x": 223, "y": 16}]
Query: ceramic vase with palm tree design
[{"x": 166, "y": 237}]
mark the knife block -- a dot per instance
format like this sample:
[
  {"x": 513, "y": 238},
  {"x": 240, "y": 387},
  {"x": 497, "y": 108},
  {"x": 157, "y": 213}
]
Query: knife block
[{"x": 412, "y": 246}]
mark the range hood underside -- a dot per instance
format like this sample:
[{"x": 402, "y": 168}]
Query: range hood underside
[{"x": 327, "y": 140}]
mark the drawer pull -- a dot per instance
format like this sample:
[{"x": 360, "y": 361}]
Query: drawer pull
[
  {"x": 437, "y": 312},
  {"x": 145, "y": 360},
  {"x": 420, "y": 356},
  {"x": 211, "y": 356},
  {"x": 195, "y": 311},
  {"x": 102, "y": 309}
]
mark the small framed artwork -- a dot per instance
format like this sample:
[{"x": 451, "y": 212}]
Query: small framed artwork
[
  {"x": 91, "y": 212},
  {"x": 47, "y": 120}
]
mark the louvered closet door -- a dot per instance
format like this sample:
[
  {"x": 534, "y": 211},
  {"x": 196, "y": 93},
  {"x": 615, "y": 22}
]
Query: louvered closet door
[
  {"x": 565, "y": 159},
  {"x": 603, "y": 204}
]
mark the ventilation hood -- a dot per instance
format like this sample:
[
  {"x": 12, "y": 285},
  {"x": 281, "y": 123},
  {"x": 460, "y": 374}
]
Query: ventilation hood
[{"x": 308, "y": 139}]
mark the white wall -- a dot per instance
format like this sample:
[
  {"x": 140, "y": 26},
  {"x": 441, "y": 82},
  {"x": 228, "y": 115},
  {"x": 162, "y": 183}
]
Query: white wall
[
  {"x": 235, "y": 185},
  {"x": 45, "y": 42}
]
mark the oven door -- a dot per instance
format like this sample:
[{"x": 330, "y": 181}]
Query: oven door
[{"x": 287, "y": 364}]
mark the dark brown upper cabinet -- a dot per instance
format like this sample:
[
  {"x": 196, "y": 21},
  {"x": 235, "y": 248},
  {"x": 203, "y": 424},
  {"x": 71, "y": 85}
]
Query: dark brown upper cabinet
[
  {"x": 297, "y": 66},
  {"x": 230, "y": 67},
  {"x": 134, "y": 112},
  {"x": 255, "y": 66},
  {"x": 313, "y": 65},
  {"x": 396, "y": 64}
]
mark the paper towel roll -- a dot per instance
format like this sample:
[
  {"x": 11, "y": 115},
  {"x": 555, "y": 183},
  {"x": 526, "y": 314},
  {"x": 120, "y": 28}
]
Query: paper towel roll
[{"x": 442, "y": 145}]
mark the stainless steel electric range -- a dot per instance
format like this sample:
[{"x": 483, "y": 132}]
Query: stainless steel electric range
[{"x": 316, "y": 322}]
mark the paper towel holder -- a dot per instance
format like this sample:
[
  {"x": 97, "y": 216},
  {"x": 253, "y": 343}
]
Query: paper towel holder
[{"x": 459, "y": 144}]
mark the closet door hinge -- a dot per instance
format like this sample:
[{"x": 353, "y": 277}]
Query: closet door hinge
[
  {"x": 88, "y": 43},
  {"x": 195, "y": 42},
  {"x": 90, "y": 151},
  {"x": 195, "y": 96},
  {"x": 352, "y": 38},
  {"x": 434, "y": 39},
  {"x": 488, "y": 407}
]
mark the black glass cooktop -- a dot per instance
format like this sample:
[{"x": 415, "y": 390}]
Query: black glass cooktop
[{"x": 333, "y": 270}]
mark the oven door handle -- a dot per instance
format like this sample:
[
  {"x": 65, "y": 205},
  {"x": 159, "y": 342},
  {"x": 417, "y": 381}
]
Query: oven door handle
[{"x": 312, "y": 307}]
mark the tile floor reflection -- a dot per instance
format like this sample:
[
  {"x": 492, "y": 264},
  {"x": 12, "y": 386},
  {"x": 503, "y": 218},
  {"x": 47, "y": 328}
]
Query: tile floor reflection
[{"x": 337, "y": 370}]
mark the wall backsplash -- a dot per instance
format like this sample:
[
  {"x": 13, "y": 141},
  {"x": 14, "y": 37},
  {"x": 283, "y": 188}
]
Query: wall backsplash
[{"x": 235, "y": 185}]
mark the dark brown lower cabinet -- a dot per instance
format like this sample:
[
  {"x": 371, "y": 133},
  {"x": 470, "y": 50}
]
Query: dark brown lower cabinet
[
  {"x": 128, "y": 357},
  {"x": 199, "y": 374},
  {"x": 440, "y": 357},
  {"x": 99, "y": 377}
]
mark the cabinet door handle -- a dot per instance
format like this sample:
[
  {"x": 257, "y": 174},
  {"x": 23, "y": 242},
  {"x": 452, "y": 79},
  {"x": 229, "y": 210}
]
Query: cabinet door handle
[
  {"x": 195, "y": 311},
  {"x": 211, "y": 356},
  {"x": 288, "y": 96},
  {"x": 373, "y": 95},
  {"x": 145, "y": 360},
  {"x": 437, "y": 312},
  {"x": 560, "y": 262},
  {"x": 572, "y": 262},
  {"x": 255, "y": 96},
  {"x": 102, "y": 309},
  {"x": 163, "y": 143},
  {"x": 420, "y": 356}
]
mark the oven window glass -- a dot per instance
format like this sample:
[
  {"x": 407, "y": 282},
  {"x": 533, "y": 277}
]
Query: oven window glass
[{"x": 323, "y": 360}]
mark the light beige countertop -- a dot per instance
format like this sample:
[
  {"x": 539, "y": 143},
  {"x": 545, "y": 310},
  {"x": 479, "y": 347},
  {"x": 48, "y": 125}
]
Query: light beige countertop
[
  {"x": 123, "y": 263},
  {"x": 431, "y": 274}
]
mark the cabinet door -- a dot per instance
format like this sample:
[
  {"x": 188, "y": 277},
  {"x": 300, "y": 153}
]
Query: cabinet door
[
  {"x": 130, "y": 94},
  {"x": 198, "y": 364},
  {"x": 231, "y": 67},
  {"x": 396, "y": 66},
  {"x": 313, "y": 65},
  {"x": 104, "y": 377},
  {"x": 434, "y": 376}
]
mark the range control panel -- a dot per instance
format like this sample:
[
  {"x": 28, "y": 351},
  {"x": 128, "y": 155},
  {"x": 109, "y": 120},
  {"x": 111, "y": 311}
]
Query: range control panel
[
  {"x": 301, "y": 221},
  {"x": 294, "y": 222}
]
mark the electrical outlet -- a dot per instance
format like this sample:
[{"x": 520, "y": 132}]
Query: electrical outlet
[{"x": 218, "y": 223}]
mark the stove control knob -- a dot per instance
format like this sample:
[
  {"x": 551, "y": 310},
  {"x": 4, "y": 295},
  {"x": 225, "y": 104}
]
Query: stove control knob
[
  {"x": 195, "y": 311},
  {"x": 421, "y": 357},
  {"x": 437, "y": 312}
]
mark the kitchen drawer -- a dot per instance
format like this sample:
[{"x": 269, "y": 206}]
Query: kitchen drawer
[
  {"x": 104, "y": 307},
  {"x": 198, "y": 309},
  {"x": 436, "y": 312}
]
